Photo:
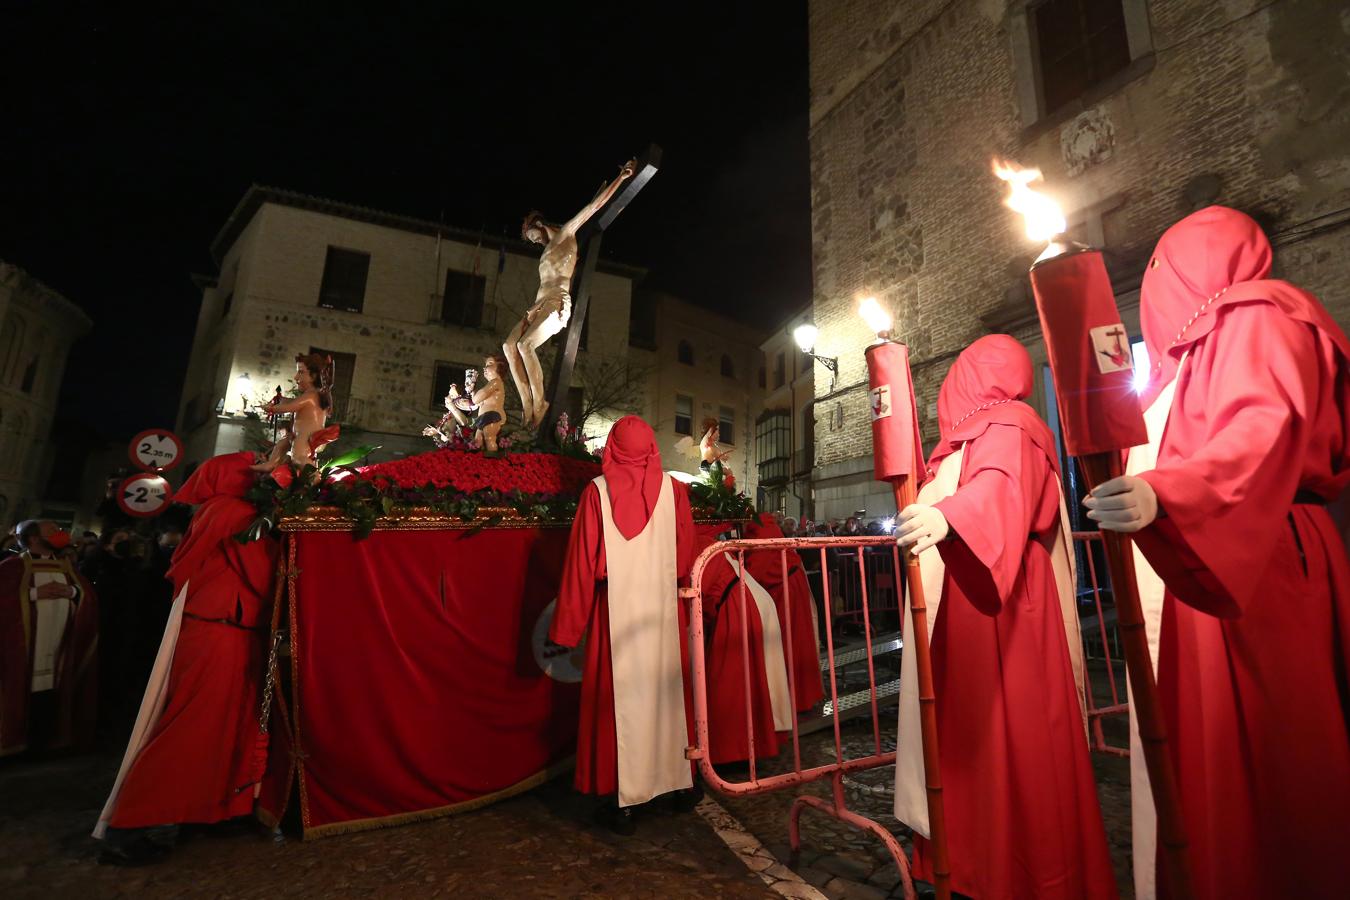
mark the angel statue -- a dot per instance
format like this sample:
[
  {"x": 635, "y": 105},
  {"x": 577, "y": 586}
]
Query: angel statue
[
  {"x": 707, "y": 451},
  {"x": 486, "y": 406},
  {"x": 309, "y": 431},
  {"x": 553, "y": 303}
]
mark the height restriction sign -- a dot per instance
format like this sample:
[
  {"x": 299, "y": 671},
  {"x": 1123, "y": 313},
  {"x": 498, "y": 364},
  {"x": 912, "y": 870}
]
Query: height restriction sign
[
  {"x": 144, "y": 495},
  {"x": 156, "y": 450}
]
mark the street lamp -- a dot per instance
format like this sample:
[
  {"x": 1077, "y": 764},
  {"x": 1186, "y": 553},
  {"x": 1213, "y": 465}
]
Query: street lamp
[
  {"x": 805, "y": 336},
  {"x": 243, "y": 385}
]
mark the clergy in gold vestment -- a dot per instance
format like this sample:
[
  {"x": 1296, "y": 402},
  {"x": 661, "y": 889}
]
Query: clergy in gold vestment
[{"x": 48, "y": 645}]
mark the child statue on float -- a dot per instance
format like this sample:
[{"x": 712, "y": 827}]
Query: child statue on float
[
  {"x": 309, "y": 432},
  {"x": 487, "y": 404}
]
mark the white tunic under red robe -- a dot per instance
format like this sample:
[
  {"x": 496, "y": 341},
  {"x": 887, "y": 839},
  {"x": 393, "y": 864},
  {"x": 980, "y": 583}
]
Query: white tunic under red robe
[
  {"x": 737, "y": 611},
  {"x": 1253, "y": 632},
  {"x": 584, "y": 610},
  {"x": 197, "y": 753},
  {"x": 796, "y": 611},
  {"x": 1018, "y": 790}
]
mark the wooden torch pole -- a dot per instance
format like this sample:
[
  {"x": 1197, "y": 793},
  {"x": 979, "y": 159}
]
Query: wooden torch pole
[
  {"x": 905, "y": 494},
  {"x": 1162, "y": 778}
]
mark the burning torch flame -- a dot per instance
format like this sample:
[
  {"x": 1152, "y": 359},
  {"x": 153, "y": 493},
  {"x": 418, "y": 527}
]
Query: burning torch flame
[
  {"x": 1043, "y": 216},
  {"x": 877, "y": 318}
]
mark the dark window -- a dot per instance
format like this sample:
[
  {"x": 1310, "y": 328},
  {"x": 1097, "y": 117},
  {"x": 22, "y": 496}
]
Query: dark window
[
  {"x": 344, "y": 280},
  {"x": 1079, "y": 44},
  {"x": 804, "y": 364},
  {"x": 780, "y": 371},
  {"x": 726, "y": 425},
  {"x": 226, "y": 303},
  {"x": 728, "y": 369},
  {"x": 446, "y": 374},
  {"x": 29, "y": 376},
  {"x": 685, "y": 353},
  {"x": 344, "y": 367},
  {"x": 463, "y": 302},
  {"x": 684, "y": 415},
  {"x": 762, "y": 381}
]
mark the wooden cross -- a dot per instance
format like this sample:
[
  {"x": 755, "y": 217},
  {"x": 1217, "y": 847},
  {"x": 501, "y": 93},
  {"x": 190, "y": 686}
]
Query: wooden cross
[{"x": 588, "y": 247}]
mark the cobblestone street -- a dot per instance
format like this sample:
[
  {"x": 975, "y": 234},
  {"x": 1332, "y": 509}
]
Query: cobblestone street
[
  {"x": 538, "y": 845},
  {"x": 542, "y": 844}
]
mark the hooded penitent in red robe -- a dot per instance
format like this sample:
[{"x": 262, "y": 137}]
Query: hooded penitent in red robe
[
  {"x": 1018, "y": 790},
  {"x": 73, "y": 697},
  {"x": 632, "y": 469},
  {"x": 198, "y": 752},
  {"x": 1253, "y": 669},
  {"x": 727, "y": 615},
  {"x": 767, "y": 567}
]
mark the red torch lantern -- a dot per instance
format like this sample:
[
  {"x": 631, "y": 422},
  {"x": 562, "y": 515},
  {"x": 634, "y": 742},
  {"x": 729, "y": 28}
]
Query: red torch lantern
[
  {"x": 1100, "y": 417},
  {"x": 897, "y": 457}
]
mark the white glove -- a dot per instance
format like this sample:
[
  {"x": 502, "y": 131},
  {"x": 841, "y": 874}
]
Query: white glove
[
  {"x": 922, "y": 526},
  {"x": 1123, "y": 504}
]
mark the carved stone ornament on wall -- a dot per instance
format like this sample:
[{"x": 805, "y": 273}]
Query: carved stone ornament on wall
[{"x": 1086, "y": 140}]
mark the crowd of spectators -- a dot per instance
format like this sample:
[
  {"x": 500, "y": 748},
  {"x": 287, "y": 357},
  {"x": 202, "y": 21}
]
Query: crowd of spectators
[{"x": 126, "y": 564}]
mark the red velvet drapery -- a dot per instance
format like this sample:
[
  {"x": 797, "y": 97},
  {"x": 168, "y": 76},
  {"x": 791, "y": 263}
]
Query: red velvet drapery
[{"x": 415, "y": 687}]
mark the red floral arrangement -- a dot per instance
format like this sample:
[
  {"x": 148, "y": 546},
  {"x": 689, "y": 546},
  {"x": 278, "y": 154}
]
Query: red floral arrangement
[{"x": 469, "y": 472}]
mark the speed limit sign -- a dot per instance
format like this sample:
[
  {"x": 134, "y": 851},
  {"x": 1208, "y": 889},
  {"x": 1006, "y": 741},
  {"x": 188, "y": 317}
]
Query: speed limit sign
[
  {"x": 144, "y": 495},
  {"x": 156, "y": 450}
]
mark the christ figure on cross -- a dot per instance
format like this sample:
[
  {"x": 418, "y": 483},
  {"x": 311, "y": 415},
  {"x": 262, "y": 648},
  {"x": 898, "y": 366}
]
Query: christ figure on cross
[{"x": 553, "y": 304}]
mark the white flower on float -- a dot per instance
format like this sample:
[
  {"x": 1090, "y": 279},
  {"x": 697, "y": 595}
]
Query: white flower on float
[{"x": 1043, "y": 217}]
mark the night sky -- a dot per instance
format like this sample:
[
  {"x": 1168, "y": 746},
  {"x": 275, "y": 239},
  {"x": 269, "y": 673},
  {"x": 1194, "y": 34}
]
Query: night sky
[{"x": 127, "y": 141}]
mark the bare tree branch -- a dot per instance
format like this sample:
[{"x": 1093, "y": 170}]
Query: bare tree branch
[{"x": 610, "y": 384}]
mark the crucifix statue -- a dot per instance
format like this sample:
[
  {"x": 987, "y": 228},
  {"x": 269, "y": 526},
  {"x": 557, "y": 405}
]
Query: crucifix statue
[{"x": 553, "y": 304}]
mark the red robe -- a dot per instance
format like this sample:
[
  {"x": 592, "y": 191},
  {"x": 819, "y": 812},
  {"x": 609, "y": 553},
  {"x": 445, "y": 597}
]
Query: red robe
[
  {"x": 76, "y": 690},
  {"x": 804, "y": 664},
  {"x": 1018, "y": 790},
  {"x": 735, "y": 626},
  {"x": 1253, "y": 669},
  {"x": 205, "y": 754},
  {"x": 583, "y": 604}
]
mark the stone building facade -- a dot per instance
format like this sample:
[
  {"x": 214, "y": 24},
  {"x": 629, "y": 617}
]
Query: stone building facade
[
  {"x": 698, "y": 366},
  {"x": 37, "y": 328},
  {"x": 785, "y": 425},
  {"x": 1136, "y": 111},
  {"x": 403, "y": 305}
]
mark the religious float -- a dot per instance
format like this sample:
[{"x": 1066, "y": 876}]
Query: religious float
[{"x": 410, "y": 674}]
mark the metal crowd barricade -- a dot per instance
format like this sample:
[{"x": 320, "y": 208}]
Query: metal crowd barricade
[
  {"x": 1101, "y": 642},
  {"x": 836, "y": 770},
  {"x": 847, "y": 579}
]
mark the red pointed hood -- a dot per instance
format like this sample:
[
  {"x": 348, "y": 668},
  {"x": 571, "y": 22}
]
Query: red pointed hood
[{"x": 632, "y": 468}]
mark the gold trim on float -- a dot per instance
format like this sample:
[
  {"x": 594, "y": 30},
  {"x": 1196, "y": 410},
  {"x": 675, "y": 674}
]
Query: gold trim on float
[
  {"x": 330, "y": 518},
  {"x": 312, "y": 832}
]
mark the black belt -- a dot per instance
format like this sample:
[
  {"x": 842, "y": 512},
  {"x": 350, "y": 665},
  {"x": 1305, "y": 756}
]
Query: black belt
[{"x": 1309, "y": 498}]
